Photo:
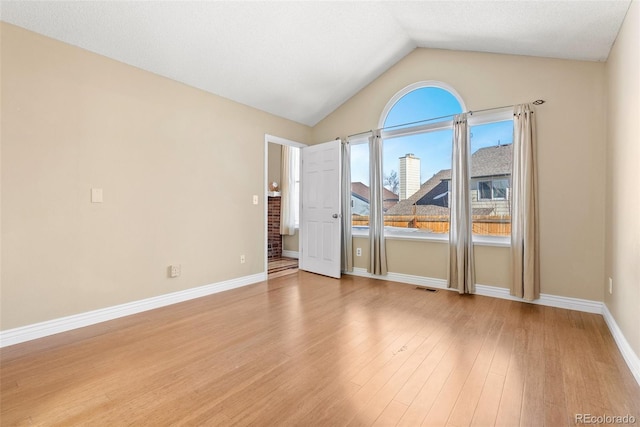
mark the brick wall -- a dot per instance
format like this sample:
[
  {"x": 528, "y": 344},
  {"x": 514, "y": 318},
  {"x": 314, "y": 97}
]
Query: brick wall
[{"x": 274, "y": 239}]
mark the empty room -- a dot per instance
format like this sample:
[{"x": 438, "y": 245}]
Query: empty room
[{"x": 303, "y": 213}]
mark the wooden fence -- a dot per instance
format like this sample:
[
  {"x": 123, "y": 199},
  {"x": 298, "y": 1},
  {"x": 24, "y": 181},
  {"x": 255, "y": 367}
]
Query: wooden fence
[{"x": 482, "y": 224}]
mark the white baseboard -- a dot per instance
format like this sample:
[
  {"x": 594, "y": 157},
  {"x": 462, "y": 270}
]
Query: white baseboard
[
  {"x": 569, "y": 303},
  {"x": 578, "y": 304},
  {"x": 63, "y": 324},
  {"x": 291, "y": 254},
  {"x": 587, "y": 306},
  {"x": 403, "y": 278},
  {"x": 632, "y": 359}
]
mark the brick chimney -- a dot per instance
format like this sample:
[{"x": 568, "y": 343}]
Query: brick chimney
[{"x": 409, "y": 175}]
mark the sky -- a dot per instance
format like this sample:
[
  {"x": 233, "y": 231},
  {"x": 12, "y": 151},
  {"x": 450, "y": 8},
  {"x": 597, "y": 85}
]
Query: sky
[{"x": 433, "y": 148}]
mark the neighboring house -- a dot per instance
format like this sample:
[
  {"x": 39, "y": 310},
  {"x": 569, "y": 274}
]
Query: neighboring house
[
  {"x": 491, "y": 180},
  {"x": 490, "y": 187},
  {"x": 360, "y": 195},
  {"x": 431, "y": 199},
  {"x": 359, "y": 199}
]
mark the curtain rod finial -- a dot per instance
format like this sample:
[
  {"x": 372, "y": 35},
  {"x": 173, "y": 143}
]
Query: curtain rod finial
[{"x": 538, "y": 102}]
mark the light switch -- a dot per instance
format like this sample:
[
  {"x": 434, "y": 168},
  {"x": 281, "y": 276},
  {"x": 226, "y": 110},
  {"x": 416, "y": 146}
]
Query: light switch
[
  {"x": 255, "y": 199},
  {"x": 96, "y": 195}
]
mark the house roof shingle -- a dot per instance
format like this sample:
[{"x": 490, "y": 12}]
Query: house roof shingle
[
  {"x": 405, "y": 207},
  {"x": 361, "y": 191},
  {"x": 492, "y": 161},
  {"x": 485, "y": 162}
]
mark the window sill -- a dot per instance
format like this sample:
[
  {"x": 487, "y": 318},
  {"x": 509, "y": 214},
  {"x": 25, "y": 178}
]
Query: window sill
[
  {"x": 414, "y": 234},
  {"x": 498, "y": 241}
]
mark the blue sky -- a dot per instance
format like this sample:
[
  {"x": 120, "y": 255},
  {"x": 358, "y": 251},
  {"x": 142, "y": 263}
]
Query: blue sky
[{"x": 433, "y": 148}]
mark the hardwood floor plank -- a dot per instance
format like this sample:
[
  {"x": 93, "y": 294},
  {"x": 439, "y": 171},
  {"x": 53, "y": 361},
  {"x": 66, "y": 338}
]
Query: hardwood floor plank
[
  {"x": 400, "y": 345},
  {"x": 383, "y": 398},
  {"x": 444, "y": 403},
  {"x": 455, "y": 361},
  {"x": 486, "y": 410},
  {"x": 303, "y": 349},
  {"x": 511, "y": 402},
  {"x": 555, "y": 415},
  {"x": 421, "y": 375},
  {"x": 418, "y": 379},
  {"x": 417, "y": 411},
  {"x": 465, "y": 406},
  {"x": 365, "y": 408},
  {"x": 391, "y": 414},
  {"x": 533, "y": 392}
]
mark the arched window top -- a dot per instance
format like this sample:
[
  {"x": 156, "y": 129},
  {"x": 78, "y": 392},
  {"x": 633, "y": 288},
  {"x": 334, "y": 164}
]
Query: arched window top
[{"x": 420, "y": 101}]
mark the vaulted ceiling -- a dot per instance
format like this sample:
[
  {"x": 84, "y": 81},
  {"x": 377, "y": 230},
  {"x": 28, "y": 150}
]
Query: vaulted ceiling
[{"x": 301, "y": 60}]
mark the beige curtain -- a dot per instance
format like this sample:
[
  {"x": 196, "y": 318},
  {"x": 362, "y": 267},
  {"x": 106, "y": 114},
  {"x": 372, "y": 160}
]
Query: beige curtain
[
  {"x": 525, "y": 256},
  {"x": 347, "y": 245},
  {"x": 461, "y": 266},
  {"x": 289, "y": 171},
  {"x": 377, "y": 250}
]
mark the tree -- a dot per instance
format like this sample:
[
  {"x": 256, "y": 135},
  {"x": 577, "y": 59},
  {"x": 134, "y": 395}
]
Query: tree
[{"x": 391, "y": 182}]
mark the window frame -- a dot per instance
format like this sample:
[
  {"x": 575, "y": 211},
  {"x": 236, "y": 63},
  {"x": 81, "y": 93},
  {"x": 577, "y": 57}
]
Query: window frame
[
  {"x": 474, "y": 119},
  {"x": 492, "y": 189},
  {"x": 415, "y": 86},
  {"x": 483, "y": 186}
]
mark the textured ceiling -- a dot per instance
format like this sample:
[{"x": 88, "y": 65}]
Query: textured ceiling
[{"x": 301, "y": 60}]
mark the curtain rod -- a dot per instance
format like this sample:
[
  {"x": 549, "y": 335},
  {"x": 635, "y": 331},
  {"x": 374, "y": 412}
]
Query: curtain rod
[{"x": 536, "y": 102}]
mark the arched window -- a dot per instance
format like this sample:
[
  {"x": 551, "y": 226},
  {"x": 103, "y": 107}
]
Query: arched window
[
  {"x": 420, "y": 101},
  {"x": 417, "y": 136},
  {"x": 417, "y": 148}
]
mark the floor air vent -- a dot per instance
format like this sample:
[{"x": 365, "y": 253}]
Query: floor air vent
[{"x": 420, "y": 288}]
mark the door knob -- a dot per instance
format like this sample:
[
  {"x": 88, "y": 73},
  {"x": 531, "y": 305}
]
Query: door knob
[{"x": 335, "y": 215}]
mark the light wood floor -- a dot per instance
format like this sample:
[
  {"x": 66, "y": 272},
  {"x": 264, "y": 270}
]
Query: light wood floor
[{"x": 307, "y": 350}]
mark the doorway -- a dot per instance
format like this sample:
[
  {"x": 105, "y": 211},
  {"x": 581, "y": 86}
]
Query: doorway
[{"x": 281, "y": 251}]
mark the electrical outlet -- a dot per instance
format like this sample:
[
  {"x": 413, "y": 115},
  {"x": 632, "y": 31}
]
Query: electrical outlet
[
  {"x": 610, "y": 286},
  {"x": 358, "y": 251},
  {"x": 242, "y": 259},
  {"x": 175, "y": 270}
]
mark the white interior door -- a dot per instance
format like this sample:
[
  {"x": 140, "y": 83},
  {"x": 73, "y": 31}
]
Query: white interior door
[{"x": 320, "y": 223}]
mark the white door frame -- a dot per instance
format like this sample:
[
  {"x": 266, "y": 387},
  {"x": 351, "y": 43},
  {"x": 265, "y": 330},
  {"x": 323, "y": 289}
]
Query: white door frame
[{"x": 281, "y": 141}]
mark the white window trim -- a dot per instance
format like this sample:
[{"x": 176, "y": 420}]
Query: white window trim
[
  {"x": 498, "y": 241},
  {"x": 426, "y": 128},
  {"x": 493, "y": 116},
  {"x": 413, "y": 234}
]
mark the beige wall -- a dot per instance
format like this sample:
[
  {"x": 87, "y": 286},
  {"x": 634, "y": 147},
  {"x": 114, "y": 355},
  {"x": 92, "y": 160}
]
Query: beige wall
[
  {"x": 571, "y": 130},
  {"x": 274, "y": 160},
  {"x": 291, "y": 243},
  {"x": 178, "y": 168},
  {"x": 623, "y": 179},
  {"x": 429, "y": 259}
]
